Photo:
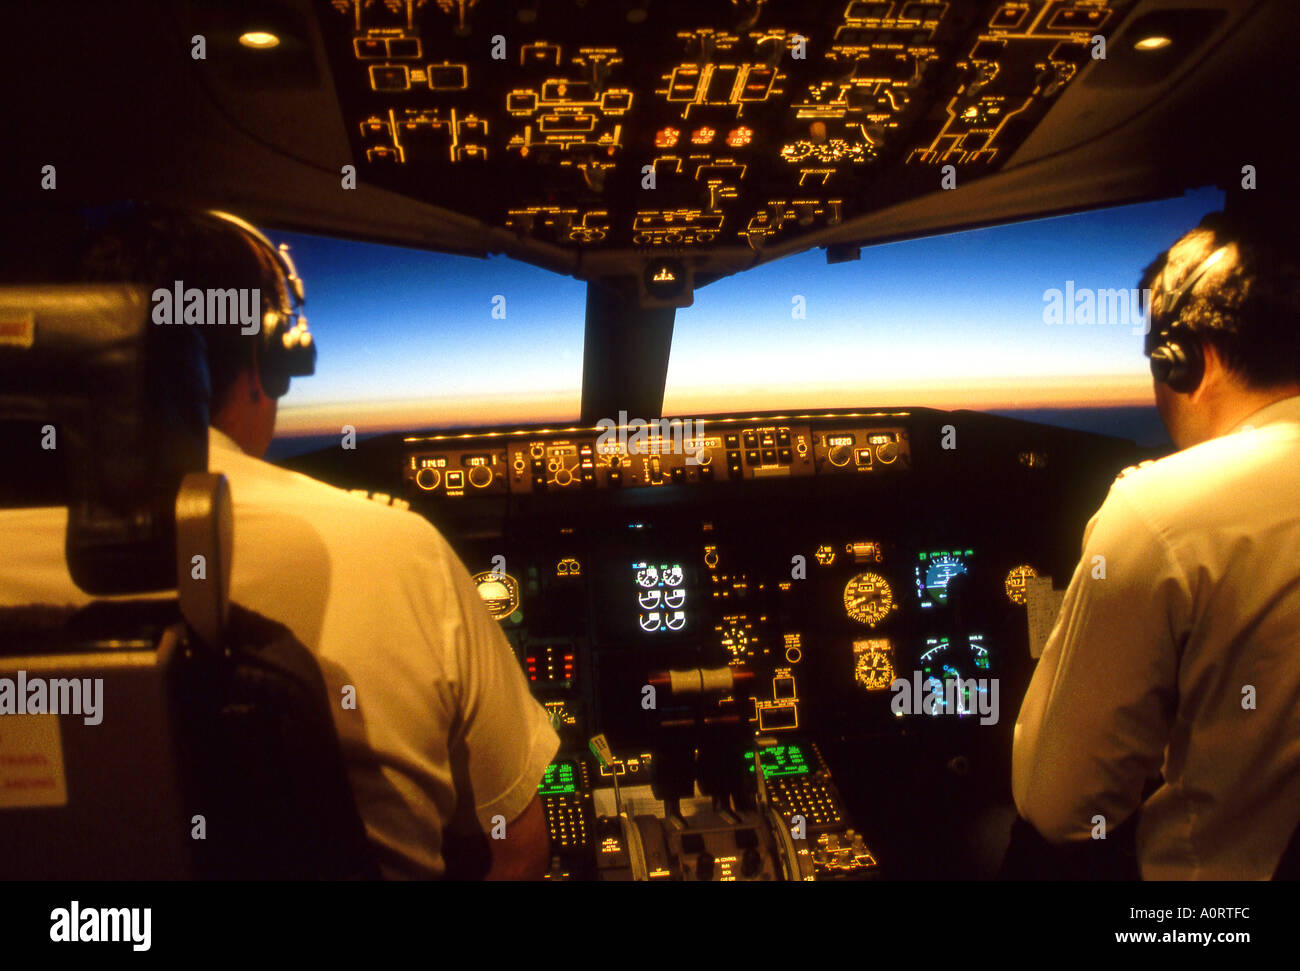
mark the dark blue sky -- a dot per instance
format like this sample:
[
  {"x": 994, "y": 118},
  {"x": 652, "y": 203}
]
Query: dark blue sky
[{"x": 406, "y": 337}]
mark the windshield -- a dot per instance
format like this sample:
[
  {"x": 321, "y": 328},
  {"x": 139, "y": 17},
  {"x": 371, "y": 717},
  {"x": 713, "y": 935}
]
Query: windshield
[
  {"x": 408, "y": 338},
  {"x": 1038, "y": 320}
]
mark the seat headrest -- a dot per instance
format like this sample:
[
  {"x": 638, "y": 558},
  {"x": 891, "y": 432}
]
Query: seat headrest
[{"x": 127, "y": 401}]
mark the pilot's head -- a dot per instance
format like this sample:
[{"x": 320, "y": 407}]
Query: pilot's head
[
  {"x": 1225, "y": 327},
  {"x": 161, "y": 247}
]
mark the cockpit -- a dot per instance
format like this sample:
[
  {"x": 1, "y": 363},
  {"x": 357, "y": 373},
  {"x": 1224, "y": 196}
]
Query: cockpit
[{"x": 762, "y": 361}]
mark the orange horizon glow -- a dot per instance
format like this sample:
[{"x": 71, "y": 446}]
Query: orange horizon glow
[{"x": 979, "y": 394}]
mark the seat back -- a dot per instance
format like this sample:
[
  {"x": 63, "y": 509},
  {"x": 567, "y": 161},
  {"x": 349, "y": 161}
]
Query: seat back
[{"x": 165, "y": 737}]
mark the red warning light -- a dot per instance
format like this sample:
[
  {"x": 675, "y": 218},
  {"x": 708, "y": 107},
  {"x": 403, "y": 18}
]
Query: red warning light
[
  {"x": 740, "y": 137},
  {"x": 666, "y": 137}
]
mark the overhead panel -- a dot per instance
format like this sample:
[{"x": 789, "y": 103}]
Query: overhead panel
[{"x": 693, "y": 125}]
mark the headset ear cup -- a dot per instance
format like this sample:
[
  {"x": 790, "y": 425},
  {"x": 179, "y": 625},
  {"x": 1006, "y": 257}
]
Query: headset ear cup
[{"x": 1179, "y": 363}]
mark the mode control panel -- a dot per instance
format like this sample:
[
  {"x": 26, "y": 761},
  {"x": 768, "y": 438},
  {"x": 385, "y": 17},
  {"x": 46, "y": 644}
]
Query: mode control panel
[
  {"x": 859, "y": 449},
  {"x": 455, "y": 473}
]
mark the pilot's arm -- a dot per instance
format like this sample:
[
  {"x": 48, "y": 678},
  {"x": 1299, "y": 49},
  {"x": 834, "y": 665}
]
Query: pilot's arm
[
  {"x": 1097, "y": 716},
  {"x": 525, "y": 852},
  {"x": 501, "y": 747}
]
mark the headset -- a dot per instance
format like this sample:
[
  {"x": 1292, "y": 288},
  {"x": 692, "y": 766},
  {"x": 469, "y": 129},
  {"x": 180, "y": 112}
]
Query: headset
[
  {"x": 286, "y": 349},
  {"x": 1177, "y": 358}
]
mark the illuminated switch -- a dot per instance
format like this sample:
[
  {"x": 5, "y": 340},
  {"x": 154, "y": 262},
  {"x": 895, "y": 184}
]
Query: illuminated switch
[
  {"x": 369, "y": 48},
  {"x": 679, "y": 474},
  {"x": 751, "y": 439},
  {"x": 521, "y": 102},
  {"x": 783, "y": 438},
  {"x": 470, "y": 125},
  {"x": 733, "y": 441},
  {"x": 616, "y": 102},
  {"x": 769, "y": 456},
  {"x": 455, "y": 480},
  {"x": 540, "y": 54},
  {"x": 382, "y": 153},
  {"x": 389, "y": 78},
  {"x": 686, "y": 78},
  {"x": 722, "y": 82},
  {"x": 448, "y": 77},
  {"x": 751, "y": 456},
  {"x": 786, "y": 456},
  {"x": 758, "y": 83},
  {"x": 401, "y": 47}
]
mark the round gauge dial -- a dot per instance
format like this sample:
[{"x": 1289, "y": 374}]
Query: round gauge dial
[
  {"x": 873, "y": 665},
  {"x": 955, "y": 670},
  {"x": 940, "y": 573},
  {"x": 736, "y": 641},
  {"x": 1016, "y": 583},
  {"x": 868, "y": 598},
  {"x": 500, "y": 593}
]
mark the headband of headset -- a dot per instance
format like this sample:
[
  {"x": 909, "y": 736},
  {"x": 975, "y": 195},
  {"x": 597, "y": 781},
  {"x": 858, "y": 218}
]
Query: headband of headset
[
  {"x": 286, "y": 348},
  {"x": 1175, "y": 350}
]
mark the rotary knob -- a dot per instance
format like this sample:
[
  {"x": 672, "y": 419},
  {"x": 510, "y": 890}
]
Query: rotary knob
[
  {"x": 841, "y": 455},
  {"x": 480, "y": 476},
  {"x": 428, "y": 479},
  {"x": 887, "y": 452}
]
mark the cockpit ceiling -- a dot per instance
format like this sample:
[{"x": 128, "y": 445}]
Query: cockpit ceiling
[{"x": 690, "y": 127}]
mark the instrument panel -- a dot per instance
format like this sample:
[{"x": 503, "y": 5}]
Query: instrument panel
[
  {"x": 806, "y": 586},
  {"x": 683, "y": 126}
]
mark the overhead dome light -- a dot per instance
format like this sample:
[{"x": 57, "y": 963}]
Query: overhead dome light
[
  {"x": 259, "y": 40},
  {"x": 1155, "y": 42}
]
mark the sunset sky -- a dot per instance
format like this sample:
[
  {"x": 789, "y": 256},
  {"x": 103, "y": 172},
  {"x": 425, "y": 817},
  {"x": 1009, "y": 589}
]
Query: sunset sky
[{"x": 406, "y": 337}]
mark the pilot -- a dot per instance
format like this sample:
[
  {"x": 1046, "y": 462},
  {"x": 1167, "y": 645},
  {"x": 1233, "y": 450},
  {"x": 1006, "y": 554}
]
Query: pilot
[
  {"x": 439, "y": 732},
  {"x": 1170, "y": 685}
]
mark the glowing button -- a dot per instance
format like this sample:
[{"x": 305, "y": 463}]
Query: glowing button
[
  {"x": 739, "y": 137},
  {"x": 667, "y": 137}
]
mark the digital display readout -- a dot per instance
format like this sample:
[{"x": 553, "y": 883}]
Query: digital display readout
[
  {"x": 935, "y": 570},
  {"x": 660, "y": 596},
  {"x": 834, "y": 440},
  {"x": 561, "y": 779},
  {"x": 780, "y": 760}
]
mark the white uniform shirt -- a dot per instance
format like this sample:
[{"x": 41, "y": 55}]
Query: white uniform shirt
[
  {"x": 443, "y": 713},
  {"x": 1184, "y": 658}
]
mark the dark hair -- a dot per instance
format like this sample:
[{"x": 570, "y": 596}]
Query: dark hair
[
  {"x": 156, "y": 246},
  {"x": 1248, "y": 308}
]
